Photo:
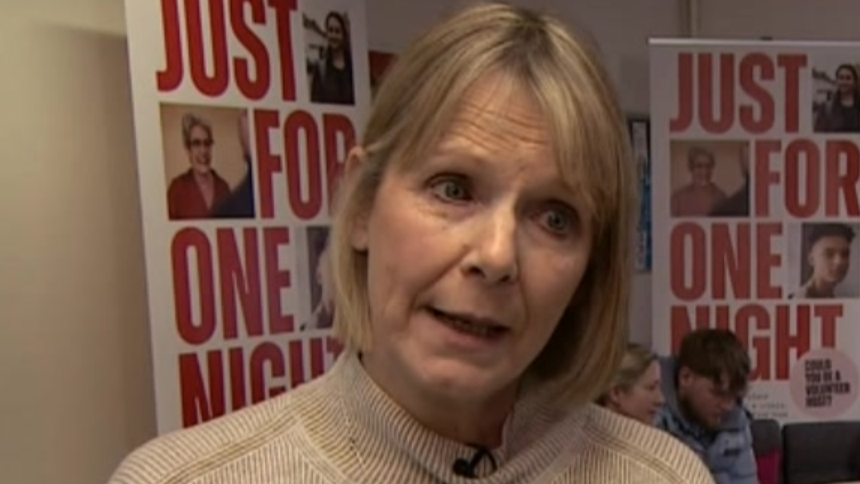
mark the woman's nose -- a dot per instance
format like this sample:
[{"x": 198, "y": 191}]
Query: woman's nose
[{"x": 493, "y": 255}]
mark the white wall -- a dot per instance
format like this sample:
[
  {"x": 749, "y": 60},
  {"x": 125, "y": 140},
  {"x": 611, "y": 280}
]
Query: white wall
[
  {"x": 75, "y": 369},
  {"x": 75, "y": 378}
]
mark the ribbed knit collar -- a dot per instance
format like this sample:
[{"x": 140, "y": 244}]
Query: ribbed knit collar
[{"x": 371, "y": 439}]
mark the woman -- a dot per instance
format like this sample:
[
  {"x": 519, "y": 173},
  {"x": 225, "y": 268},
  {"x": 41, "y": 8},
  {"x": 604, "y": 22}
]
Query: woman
[
  {"x": 701, "y": 195},
  {"x": 197, "y": 192},
  {"x": 842, "y": 113},
  {"x": 332, "y": 79},
  {"x": 481, "y": 257},
  {"x": 635, "y": 391}
]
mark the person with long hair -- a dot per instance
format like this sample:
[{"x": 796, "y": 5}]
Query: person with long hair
[
  {"x": 332, "y": 78},
  {"x": 842, "y": 113},
  {"x": 636, "y": 390},
  {"x": 481, "y": 258}
]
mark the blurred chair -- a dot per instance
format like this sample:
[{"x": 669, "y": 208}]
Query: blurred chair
[
  {"x": 767, "y": 445},
  {"x": 821, "y": 452}
]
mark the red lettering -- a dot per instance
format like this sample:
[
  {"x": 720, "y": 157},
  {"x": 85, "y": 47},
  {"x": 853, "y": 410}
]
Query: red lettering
[
  {"x": 841, "y": 179},
  {"x": 802, "y": 201},
  {"x": 792, "y": 64},
  {"x": 240, "y": 283},
  {"x": 217, "y": 83},
  {"x": 187, "y": 243},
  {"x": 755, "y": 318},
  {"x": 762, "y": 64},
  {"x": 302, "y": 122},
  {"x": 684, "y": 118},
  {"x": 204, "y": 377},
  {"x": 709, "y": 121},
  {"x": 267, "y": 162},
  {"x": 731, "y": 261},
  {"x": 811, "y": 177},
  {"x": 715, "y": 106},
  {"x": 687, "y": 248},
  {"x": 252, "y": 89},
  {"x": 171, "y": 77},
  {"x": 266, "y": 354},
  {"x": 303, "y": 160},
  {"x": 199, "y": 403},
  {"x": 283, "y": 9},
  {"x": 237, "y": 378},
  {"x": 277, "y": 279},
  {"x": 722, "y": 260},
  {"x": 764, "y": 175},
  {"x": 767, "y": 260},
  {"x": 776, "y": 336},
  {"x": 214, "y": 80}
]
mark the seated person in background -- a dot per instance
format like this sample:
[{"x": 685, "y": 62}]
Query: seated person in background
[
  {"x": 635, "y": 390},
  {"x": 704, "y": 386}
]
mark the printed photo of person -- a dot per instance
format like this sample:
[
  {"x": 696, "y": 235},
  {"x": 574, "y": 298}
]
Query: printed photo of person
[
  {"x": 322, "y": 297},
  {"x": 836, "y": 99},
  {"x": 737, "y": 204},
  {"x": 205, "y": 159},
  {"x": 820, "y": 254},
  {"x": 240, "y": 202},
  {"x": 329, "y": 58},
  {"x": 709, "y": 178}
]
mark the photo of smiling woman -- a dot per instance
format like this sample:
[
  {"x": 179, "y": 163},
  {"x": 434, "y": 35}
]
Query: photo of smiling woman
[
  {"x": 839, "y": 112},
  {"x": 330, "y": 72},
  {"x": 482, "y": 258},
  {"x": 205, "y": 161},
  {"x": 823, "y": 254}
]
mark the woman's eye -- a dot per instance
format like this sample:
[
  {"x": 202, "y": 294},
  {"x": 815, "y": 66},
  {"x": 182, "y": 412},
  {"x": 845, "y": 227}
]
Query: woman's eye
[
  {"x": 559, "y": 221},
  {"x": 451, "y": 189}
]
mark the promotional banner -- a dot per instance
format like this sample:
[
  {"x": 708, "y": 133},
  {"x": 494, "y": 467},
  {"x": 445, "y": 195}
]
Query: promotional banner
[
  {"x": 755, "y": 213},
  {"x": 244, "y": 112}
]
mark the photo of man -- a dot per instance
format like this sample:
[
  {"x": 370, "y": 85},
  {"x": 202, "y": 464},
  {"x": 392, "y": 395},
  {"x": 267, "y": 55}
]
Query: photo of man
[{"x": 825, "y": 262}]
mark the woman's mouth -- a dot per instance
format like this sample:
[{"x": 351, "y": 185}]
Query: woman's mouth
[{"x": 481, "y": 328}]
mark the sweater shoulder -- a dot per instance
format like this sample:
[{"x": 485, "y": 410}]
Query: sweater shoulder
[
  {"x": 184, "y": 456},
  {"x": 635, "y": 452}
]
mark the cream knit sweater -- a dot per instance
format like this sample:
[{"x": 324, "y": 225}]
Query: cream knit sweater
[{"x": 341, "y": 428}]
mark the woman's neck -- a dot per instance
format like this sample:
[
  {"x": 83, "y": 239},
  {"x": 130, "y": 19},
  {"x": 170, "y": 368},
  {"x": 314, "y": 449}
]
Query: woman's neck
[
  {"x": 203, "y": 177},
  {"x": 847, "y": 98},
  {"x": 472, "y": 420},
  {"x": 338, "y": 59}
]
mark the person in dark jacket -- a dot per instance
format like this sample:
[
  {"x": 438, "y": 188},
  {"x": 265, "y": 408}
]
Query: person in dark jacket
[{"x": 704, "y": 387}]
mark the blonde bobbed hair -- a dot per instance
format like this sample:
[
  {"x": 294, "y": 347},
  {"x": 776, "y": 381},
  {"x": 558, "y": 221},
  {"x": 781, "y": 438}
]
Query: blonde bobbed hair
[
  {"x": 636, "y": 361},
  {"x": 419, "y": 96}
]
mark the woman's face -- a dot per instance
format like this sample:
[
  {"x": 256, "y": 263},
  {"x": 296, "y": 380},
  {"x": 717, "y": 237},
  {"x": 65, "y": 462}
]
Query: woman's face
[
  {"x": 845, "y": 81},
  {"x": 335, "y": 33},
  {"x": 200, "y": 150},
  {"x": 702, "y": 169},
  {"x": 473, "y": 253},
  {"x": 641, "y": 401}
]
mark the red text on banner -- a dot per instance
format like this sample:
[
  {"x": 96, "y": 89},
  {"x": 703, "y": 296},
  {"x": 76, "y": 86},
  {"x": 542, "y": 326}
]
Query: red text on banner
[
  {"x": 188, "y": 48},
  {"x": 712, "y": 102},
  {"x": 221, "y": 381},
  {"x": 242, "y": 277}
]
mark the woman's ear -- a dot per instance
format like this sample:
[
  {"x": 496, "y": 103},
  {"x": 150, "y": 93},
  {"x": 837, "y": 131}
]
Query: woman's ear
[
  {"x": 355, "y": 163},
  {"x": 615, "y": 396}
]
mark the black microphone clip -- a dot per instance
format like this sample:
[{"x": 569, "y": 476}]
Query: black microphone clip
[{"x": 467, "y": 468}]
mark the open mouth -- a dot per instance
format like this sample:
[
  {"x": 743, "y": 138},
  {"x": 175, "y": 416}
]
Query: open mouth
[{"x": 480, "y": 329}]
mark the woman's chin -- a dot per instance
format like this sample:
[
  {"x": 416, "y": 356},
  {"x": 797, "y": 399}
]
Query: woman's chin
[{"x": 463, "y": 380}]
